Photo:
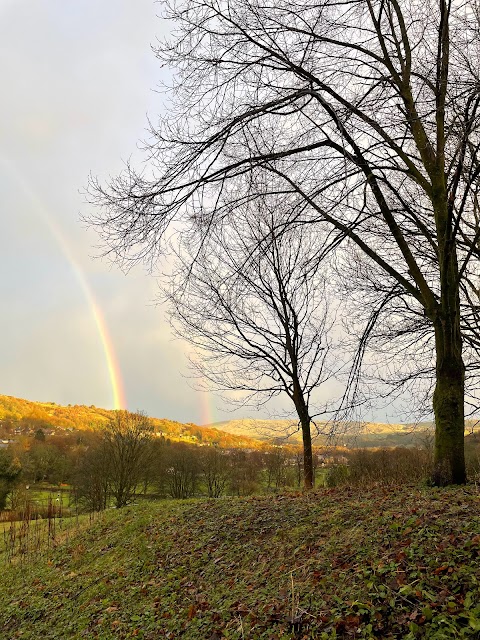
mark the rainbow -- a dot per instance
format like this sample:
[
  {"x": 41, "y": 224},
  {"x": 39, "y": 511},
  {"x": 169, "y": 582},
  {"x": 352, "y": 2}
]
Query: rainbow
[
  {"x": 206, "y": 409},
  {"x": 114, "y": 371}
]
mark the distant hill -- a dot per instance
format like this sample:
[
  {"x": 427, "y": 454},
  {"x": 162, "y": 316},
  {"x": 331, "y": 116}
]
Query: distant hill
[
  {"x": 347, "y": 433},
  {"x": 19, "y": 416},
  {"x": 258, "y": 428},
  {"x": 365, "y": 434},
  {"x": 25, "y": 416}
]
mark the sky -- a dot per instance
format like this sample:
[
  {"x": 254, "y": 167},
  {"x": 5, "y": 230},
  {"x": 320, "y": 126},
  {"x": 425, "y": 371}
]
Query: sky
[{"x": 79, "y": 81}]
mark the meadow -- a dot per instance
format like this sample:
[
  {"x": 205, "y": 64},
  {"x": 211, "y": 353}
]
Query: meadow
[{"x": 382, "y": 562}]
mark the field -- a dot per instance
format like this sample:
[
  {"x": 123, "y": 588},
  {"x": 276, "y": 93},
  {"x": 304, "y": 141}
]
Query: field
[
  {"x": 44, "y": 517},
  {"x": 397, "y": 563}
]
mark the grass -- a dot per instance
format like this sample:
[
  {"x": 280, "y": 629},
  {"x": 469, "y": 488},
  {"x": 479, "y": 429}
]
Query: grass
[
  {"x": 396, "y": 563},
  {"x": 42, "y": 492}
]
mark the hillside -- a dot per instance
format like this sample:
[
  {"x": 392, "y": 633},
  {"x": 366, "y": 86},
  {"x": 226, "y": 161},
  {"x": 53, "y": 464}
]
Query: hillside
[
  {"x": 364, "y": 434},
  {"x": 19, "y": 415},
  {"x": 24, "y": 416},
  {"x": 396, "y": 563},
  {"x": 352, "y": 434}
]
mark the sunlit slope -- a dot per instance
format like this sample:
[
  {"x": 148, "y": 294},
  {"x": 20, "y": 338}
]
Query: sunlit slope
[
  {"x": 17, "y": 413},
  {"x": 20, "y": 414}
]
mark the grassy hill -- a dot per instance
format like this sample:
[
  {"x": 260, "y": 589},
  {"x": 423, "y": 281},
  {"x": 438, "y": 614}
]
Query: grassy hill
[
  {"x": 21, "y": 415},
  {"x": 396, "y": 563}
]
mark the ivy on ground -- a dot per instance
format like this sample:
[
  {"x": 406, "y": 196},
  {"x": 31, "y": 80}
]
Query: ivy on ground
[{"x": 339, "y": 563}]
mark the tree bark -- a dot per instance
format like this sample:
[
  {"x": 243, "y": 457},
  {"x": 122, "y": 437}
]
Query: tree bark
[
  {"x": 449, "y": 394},
  {"x": 308, "y": 475},
  {"x": 448, "y": 406},
  {"x": 304, "y": 417}
]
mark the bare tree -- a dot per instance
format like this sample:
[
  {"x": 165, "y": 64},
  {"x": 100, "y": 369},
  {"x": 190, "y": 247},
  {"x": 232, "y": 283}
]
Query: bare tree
[
  {"x": 367, "y": 113},
  {"x": 245, "y": 471},
  {"x": 91, "y": 479},
  {"x": 279, "y": 470},
  {"x": 126, "y": 449},
  {"x": 182, "y": 471},
  {"x": 215, "y": 471},
  {"x": 253, "y": 305}
]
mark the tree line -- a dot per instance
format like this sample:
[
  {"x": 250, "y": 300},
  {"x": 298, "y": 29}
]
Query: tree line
[{"x": 125, "y": 460}]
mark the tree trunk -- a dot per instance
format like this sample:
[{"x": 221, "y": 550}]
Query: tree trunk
[
  {"x": 448, "y": 404},
  {"x": 449, "y": 394},
  {"x": 308, "y": 475},
  {"x": 302, "y": 411}
]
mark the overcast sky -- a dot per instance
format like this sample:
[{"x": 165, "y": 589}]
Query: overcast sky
[{"x": 79, "y": 79}]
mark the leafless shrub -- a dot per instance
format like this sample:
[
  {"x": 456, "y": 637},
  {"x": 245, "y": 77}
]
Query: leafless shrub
[{"x": 384, "y": 467}]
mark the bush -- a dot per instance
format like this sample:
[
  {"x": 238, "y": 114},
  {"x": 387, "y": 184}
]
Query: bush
[
  {"x": 10, "y": 469},
  {"x": 384, "y": 467},
  {"x": 337, "y": 475}
]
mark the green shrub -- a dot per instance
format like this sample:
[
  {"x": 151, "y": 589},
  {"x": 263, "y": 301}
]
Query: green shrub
[{"x": 337, "y": 475}]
